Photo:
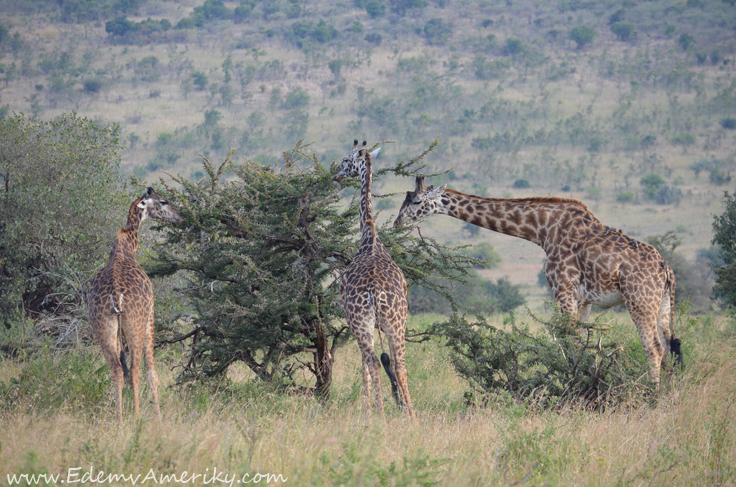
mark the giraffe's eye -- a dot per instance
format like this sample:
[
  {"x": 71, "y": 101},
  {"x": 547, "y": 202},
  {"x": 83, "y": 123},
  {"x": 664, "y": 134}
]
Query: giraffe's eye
[{"x": 164, "y": 202}]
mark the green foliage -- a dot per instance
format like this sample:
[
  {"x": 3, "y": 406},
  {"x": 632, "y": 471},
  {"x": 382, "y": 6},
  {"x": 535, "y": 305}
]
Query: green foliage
[
  {"x": 78, "y": 381},
  {"x": 485, "y": 69},
  {"x": 148, "y": 69},
  {"x": 437, "y": 32},
  {"x": 375, "y": 8},
  {"x": 61, "y": 204},
  {"x": 719, "y": 171},
  {"x": 122, "y": 30},
  {"x": 199, "y": 79},
  {"x": 657, "y": 189},
  {"x": 401, "y": 7},
  {"x": 724, "y": 236},
  {"x": 728, "y": 123},
  {"x": 693, "y": 281},
  {"x": 683, "y": 138},
  {"x": 477, "y": 295},
  {"x": 625, "y": 197},
  {"x": 566, "y": 363},
  {"x": 685, "y": 41},
  {"x": 582, "y": 35},
  {"x": 259, "y": 258},
  {"x": 624, "y": 31},
  {"x": 297, "y": 98},
  {"x": 483, "y": 252},
  {"x": 521, "y": 184}
]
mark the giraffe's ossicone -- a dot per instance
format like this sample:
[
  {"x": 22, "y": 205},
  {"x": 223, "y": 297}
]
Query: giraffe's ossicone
[
  {"x": 587, "y": 262},
  {"x": 121, "y": 302},
  {"x": 373, "y": 290}
]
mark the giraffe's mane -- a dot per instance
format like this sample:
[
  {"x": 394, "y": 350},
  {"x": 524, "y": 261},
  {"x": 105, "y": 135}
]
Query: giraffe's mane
[{"x": 533, "y": 199}]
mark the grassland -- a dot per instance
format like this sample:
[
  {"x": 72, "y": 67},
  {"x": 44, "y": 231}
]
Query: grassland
[
  {"x": 682, "y": 436},
  {"x": 584, "y": 122}
]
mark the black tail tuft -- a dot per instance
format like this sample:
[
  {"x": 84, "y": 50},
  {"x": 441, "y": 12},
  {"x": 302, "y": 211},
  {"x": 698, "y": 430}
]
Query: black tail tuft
[
  {"x": 676, "y": 350},
  {"x": 123, "y": 363},
  {"x": 386, "y": 361}
]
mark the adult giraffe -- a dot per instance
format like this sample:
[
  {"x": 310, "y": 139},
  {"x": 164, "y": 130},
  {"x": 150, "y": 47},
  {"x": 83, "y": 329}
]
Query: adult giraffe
[
  {"x": 587, "y": 262},
  {"x": 373, "y": 289},
  {"x": 121, "y": 302}
]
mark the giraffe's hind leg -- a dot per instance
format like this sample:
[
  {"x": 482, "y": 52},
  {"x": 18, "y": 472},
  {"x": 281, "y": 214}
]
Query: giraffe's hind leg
[
  {"x": 644, "y": 316},
  {"x": 134, "y": 336},
  {"x": 398, "y": 358},
  {"x": 663, "y": 326},
  {"x": 151, "y": 376},
  {"x": 371, "y": 370},
  {"x": 107, "y": 337}
]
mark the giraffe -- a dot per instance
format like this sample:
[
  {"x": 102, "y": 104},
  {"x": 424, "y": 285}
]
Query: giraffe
[
  {"x": 373, "y": 290},
  {"x": 587, "y": 262},
  {"x": 121, "y": 303}
]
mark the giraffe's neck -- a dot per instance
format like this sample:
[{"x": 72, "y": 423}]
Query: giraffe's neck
[
  {"x": 367, "y": 230},
  {"x": 127, "y": 240},
  {"x": 533, "y": 219}
]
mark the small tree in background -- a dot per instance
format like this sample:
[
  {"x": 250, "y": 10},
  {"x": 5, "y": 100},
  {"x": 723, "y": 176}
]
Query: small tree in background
[
  {"x": 61, "y": 204},
  {"x": 260, "y": 256},
  {"x": 582, "y": 35},
  {"x": 724, "y": 236}
]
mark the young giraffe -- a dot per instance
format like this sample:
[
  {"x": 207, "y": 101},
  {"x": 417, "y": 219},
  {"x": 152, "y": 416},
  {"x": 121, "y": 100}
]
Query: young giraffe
[
  {"x": 373, "y": 289},
  {"x": 121, "y": 302},
  {"x": 587, "y": 262}
]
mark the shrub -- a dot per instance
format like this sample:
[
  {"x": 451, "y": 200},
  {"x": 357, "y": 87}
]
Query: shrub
[
  {"x": 652, "y": 182},
  {"x": 478, "y": 295},
  {"x": 625, "y": 197},
  {"x": 148, "y": 69},
  {"x": 683, "y": 138},
  {"x": 624, "y": 31},
  {"x": 375, "y": 9},
  {"x": 402, "y": 6},
  {"x": 297, "y": 98},
  {"x": 566, "y": 363},
  {"x": 717, "y": 169},
  {"x": 513, "y": 46},
  {"x": 437, "y": 32},
  {"x": 667, "y": 195},
  {"x": 582, "y": 35},
  {"x": 485, "y": 69},
  {"x": 728, "y": 123},
  {"x": 724, "y": 236},
  {"x": 199, "y": 79},
  {"x": 93, "y": 85},
  {"x": 521, "y": 183},
  {"x": 685, "y": 41},
  {"x": 483, "y": 252},
  {"x": 374, "y": 39},
  {"x": 61, "y": 205}
]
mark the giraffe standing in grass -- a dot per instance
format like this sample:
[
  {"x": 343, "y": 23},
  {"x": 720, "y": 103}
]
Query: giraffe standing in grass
[
  {"x": 121, "y": 303},
  {"x": 587, "y": 262},
  {"x": 373, "y": 289}
]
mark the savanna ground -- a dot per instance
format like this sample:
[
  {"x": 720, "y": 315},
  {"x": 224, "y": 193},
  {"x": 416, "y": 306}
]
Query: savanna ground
[{"x": 515, "y": 99}]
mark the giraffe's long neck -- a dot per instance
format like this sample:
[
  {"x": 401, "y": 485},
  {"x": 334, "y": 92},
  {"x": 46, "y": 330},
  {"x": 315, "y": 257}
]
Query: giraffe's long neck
[
  {"x": 127, "y": 240},
  {"x": 366, "y": 209},
  {"x": 535, "y": 219}
]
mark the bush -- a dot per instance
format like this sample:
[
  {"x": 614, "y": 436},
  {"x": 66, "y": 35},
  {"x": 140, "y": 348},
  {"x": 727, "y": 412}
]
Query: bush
[
  {"x": 485, "y": 69},
  {"x": 374, "y": 39},
  {"x": 375, "y": 9},
  {"x": 582, "y": 35},
  {"x": 685, "y": 41},
  {"x": 625, "y": 197},
  {"x": 565, "y": 364},
  {"x": 728, "y": 123},
  {"x": 437, "y": 32},
  {"x": 297, "y": 98},
  {"x": 683, "y": 138},
  {"x": 60, "y": 208},
  {"x": 624, "y": 31},
  {"x": 521, "y": 183},
  {"x": 483, "y": 252},
  {"x": 718, "y": 170},
  {"x": 478, "y": 295},
  {"x": 199, "y": 79},
  {"x": 402, "y": 6},
  {"x": 724, "y": 236},
  {"x": 93, "y": 85}
]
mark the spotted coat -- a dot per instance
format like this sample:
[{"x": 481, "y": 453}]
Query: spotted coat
[{"x": 587, "y": 261}]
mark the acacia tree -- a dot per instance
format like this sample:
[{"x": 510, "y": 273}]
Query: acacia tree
[
  {"x": 724, "y": 236},
  {"x": 259, "y": 256}
]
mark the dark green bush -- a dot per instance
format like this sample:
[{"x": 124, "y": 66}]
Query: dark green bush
[
  {"x": 724, "y": 236},
  {"x": 624, "y": 31},
  {"x": 60, "y": 208},
  {"x": 297, "y": 98},
  {"x": 728, "y": 123},
  {"x": 375, "y": 8},
  {"x": 625, "y": 197},
  {"x": 521, "y": 183},
  {"x": 565, "y": 364},
  {"x": 582, "y": 35},
  {"x": 478, "y": 295},
  {"x": 685, "y": 41},
  {"x": 483, "y": 252},
  {"x": 437, "y": 32}
]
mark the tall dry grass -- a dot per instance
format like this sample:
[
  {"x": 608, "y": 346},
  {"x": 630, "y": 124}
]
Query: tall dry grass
[{"x": 685, "y": 435}]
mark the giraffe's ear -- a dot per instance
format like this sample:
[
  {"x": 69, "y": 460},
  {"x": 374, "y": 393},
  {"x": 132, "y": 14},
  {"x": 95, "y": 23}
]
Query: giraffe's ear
[
  {"x": 375, "y": 153},
  {"x": 435, "y": 193}
]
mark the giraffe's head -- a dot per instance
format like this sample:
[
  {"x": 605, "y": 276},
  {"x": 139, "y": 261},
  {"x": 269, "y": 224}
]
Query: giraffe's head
[
  {"x": 152, "y": 205},
  {"x": 420, "y": 203},
  {"x": 350, "y": 165}
]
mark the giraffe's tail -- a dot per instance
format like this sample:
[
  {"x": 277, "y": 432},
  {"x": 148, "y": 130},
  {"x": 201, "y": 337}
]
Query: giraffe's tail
[
  {"x": 675, "y": 343},
  {"x": 386, "y": 361},
  {"x": 123, "y": 362}
]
